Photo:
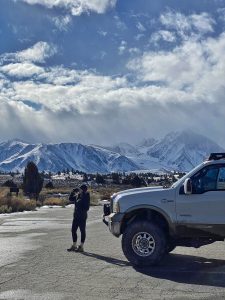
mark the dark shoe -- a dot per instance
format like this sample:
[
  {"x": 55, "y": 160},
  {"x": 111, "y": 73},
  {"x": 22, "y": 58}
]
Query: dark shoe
[
  {"x": 79, "y": 249},
  {"x": 72, "y": 249}
]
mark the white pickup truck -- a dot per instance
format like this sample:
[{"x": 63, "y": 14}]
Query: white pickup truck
[{"x": 153, "y": 221}]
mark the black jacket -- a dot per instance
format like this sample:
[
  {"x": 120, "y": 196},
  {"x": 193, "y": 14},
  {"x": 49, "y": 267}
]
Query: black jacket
[{"x": 81, "y": 202}]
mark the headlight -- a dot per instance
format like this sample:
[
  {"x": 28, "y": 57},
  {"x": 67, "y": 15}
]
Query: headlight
[{"x": 116, "y": 207}]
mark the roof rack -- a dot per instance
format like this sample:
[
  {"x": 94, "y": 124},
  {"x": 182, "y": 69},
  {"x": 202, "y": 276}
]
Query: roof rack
[{"x": 216, "y": 156}]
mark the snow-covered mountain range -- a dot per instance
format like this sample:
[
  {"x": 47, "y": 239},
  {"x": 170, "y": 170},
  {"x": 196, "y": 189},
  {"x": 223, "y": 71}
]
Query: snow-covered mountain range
[
  {"x": 15, "y": 154},
  {"x": 176, "y": 151}
]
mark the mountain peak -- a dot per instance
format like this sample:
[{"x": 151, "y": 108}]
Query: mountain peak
[
  {"x": 16, "y": 141},
  {"x": 147, "y": 142},
  {"x": 183, "y": 149}
]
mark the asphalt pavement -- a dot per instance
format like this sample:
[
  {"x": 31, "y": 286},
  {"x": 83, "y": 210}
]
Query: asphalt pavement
[{"x": 34, "y": 263}]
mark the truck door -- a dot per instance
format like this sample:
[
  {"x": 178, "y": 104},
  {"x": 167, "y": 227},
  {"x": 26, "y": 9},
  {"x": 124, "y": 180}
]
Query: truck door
[{"x": 202, "y": 213}]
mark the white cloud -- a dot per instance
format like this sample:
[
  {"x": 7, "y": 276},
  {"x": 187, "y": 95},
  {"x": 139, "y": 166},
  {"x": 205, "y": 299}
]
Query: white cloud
[
  {"x": 63, "y": 22},
  {"x": 134, "y": 51},
  {"x": 195, "y": 24},
  {"x": 38, "y": 53},
  {"x": 21, "y": 69},
  {"x": 122, "y": 48},
  {"x": 141, "y": 27},
  {"x": 76, "y": 7},
  {"x": 139, "y": 36},
  {"x": 91, "y": 91},
  {"x": 188, "y": 66},
  {"x": 164, "y": 35},
  {"x": 173, "y": 88},
  {"x": 102, "y": 32},
  {"x": 119, "y": 24}
]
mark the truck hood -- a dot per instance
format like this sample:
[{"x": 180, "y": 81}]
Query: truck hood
[
  {"x": 153, "y": 197},
  {"x": 137, "y": 191}
]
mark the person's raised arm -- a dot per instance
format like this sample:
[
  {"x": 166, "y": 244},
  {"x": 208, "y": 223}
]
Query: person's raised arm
[{"x": 73, "y": 195}]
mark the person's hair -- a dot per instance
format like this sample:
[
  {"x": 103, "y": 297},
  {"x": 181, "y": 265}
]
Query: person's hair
[{"x": 84, "y": 187}]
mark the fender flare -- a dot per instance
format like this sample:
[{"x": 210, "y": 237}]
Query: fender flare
[{"x": 172, "y": 226}]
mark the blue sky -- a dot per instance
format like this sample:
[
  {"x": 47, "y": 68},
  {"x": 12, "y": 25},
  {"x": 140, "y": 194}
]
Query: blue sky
[{"x": 106, "y": 71}]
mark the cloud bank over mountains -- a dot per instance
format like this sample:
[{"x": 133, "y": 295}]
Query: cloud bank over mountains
[{"x": 171, "y": 76}]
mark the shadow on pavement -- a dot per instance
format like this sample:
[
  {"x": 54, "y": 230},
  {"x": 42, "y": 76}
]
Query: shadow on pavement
[
  {"x": 188, "y": 269},
  {"x": 110, "y": 260},
  {"x": 179, "y": 268}
]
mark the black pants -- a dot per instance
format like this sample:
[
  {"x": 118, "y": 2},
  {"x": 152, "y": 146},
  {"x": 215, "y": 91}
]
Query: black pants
[{"x": 79, "y": 221}]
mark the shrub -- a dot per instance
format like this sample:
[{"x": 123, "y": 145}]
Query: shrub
[
  {"x": 9, "y": 183},
  {"x": 4, "y": 209},
  {"x": 105, "y": 196},
  {"x": 56, "y": 201},
  {"x": 94, "y": 199},
  {"x": 49, "y": 185},
  {"x": 38, "y": 203},
  {"x": 10, "y": 203},
  {"x": 30, "y": 205},
  {"x": 19, "y": 205}
]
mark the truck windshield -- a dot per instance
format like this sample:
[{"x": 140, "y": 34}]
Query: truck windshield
[{"x": 189, "y": 174}]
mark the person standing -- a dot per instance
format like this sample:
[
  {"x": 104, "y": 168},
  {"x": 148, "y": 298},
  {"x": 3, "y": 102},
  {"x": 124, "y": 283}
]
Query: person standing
[{"x": 81, "y": 206}]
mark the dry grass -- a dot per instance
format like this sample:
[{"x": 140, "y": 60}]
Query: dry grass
[
  {"x": 94, "y": 199},
  {"x": 106, "y": 192},
  {"x": 56, "y": 201},
  {"x": 63, "y": 190},
  {"x": 10, "y": 203},
  {"x": 96, "y": 195}
]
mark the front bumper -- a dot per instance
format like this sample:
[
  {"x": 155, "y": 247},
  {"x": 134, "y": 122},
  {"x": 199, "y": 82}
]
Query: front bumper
[{"x": 114, "y": 223}]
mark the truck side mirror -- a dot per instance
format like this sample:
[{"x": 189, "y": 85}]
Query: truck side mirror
[{"x": 187, "y": 186}]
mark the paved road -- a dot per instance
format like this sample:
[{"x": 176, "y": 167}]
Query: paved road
[{"x": 34, "y": 264}]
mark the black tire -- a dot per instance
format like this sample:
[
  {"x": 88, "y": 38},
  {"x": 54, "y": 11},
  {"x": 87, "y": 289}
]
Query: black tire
[
  {"x": 144, "y": 233},
  {"x": 170, "y": 247}
]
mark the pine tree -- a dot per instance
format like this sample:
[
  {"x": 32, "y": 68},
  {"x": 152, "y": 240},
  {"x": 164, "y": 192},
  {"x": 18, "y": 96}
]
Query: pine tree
[
  {"x": 116, "y": 178},
  {"x": 85, "y": 177},
  {"x": 32, "y": 181},
  {"x": 136, "y": 181},
  {"x": 49, "y": 185},
  {"x": 99, "y": 179}
]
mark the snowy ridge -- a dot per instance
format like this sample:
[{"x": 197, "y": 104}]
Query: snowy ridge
[
  {"x": 183, "y": 150},
  {"x": 56, "y": 157},
  {"x": 176, "y": 151}
]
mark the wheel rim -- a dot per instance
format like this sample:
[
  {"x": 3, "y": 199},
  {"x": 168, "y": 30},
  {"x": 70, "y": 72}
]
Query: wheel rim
[{"x": 143, "y": 244}]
